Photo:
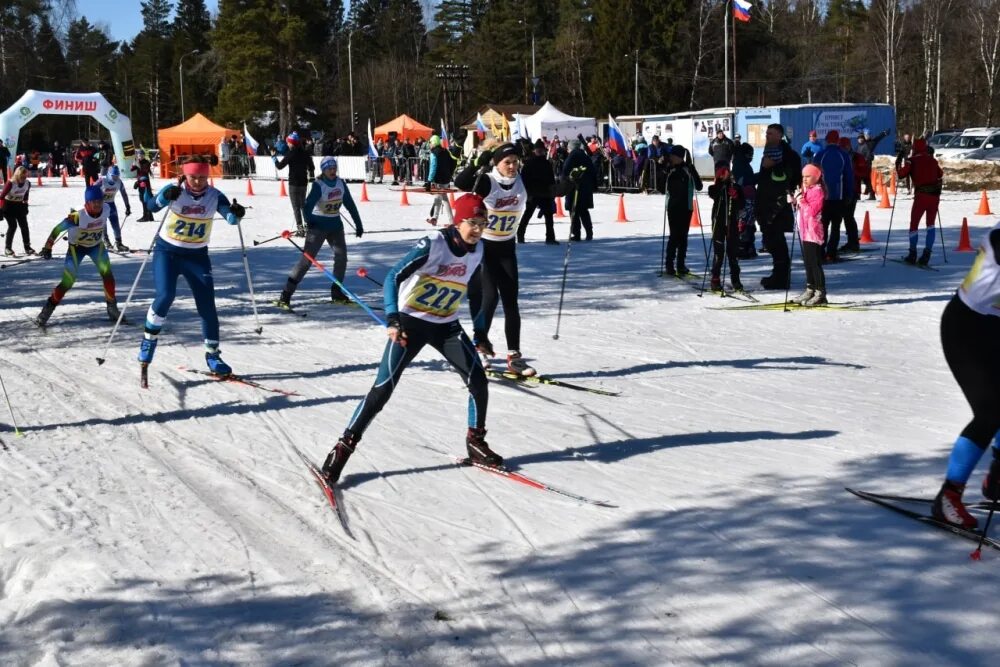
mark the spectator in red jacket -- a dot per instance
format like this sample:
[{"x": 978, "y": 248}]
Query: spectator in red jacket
[{"x": 927, "y": 181}]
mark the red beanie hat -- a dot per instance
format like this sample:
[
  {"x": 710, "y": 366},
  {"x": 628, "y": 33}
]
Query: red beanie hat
[
  {"x": 833, "y": 137},
  {"x": 845, "y": 143},
  {"x": 469, "y": 206},
  {"x": 920, "y": 145}
]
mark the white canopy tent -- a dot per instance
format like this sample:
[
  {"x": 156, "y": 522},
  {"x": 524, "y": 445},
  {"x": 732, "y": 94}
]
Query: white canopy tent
[{"x": 549, "y": 121}]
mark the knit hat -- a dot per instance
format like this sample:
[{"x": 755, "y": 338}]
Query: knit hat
[
  {"x": 328, "y": 162},
  {"x": 293, "y": 139},
  {"x": 504, "y": 151},
  {"x": 434, "y": 141},
  {"x": 539, "y": 144},
  {"x": 469, "y": 206},
  {"x": 833, "y": 137},
  {"x": 114, "y": 171},
  {"x": 920, "y": 145},
  {"x": 93, "y": 193},
  {"x": 812, "y": 170},
  {"x": 677, "y": 150},
  {"x": 845, "y": 143}
]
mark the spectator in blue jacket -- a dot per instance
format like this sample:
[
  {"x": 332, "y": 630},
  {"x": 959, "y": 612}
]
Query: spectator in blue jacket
[
  {"x": 811, "y": 148},
  {"x": 838, "y": 175}
]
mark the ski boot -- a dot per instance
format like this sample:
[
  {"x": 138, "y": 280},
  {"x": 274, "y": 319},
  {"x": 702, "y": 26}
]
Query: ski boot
[
  {"x": 817, "y": 299},
  {"x": 991, "y": 483},
  {"x": 284, "y": 301},
  {"x": 849, "y": 248},
  {"x": 716, "y": 285},
  {"x": 911, "y": 257},
  {"x": 121, "y": 247},
  {"x": 338, "y": 297},
  {"x": 300, "y": 231},
  {"x": 948, "y": 507},
  {"x": 43, "y": 317},
  {"x": 8, "y": 252},
  {"x": 775, "y": 281},
  {"x": 517, "y": 365},
  {"x": 925, "y": 257},
  {"x": 669, "y": 271},
  {"x": 478, "y": 449},
  {"x": 804, "y": 297},
  {"x": 30, "y": 251},
  {"x": 683, "y": 271},
  {"x": 113, "y": 312},
  {"x": 146, "y": 350},
  {"x": 737, "y": 285},
  {"x": 337, "y": 458},
  {"x": 215, "y": 363}
]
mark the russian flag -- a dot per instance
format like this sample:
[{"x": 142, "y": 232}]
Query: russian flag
[
  {"x": 741, "y": 10},
  {"x": 480, "y": 125},
  {"x": 372, "y": 153},
  {"x": 251, "y": 143},
  {"x": 616, "y": 140},
  {"x": 444, "y": 136}
]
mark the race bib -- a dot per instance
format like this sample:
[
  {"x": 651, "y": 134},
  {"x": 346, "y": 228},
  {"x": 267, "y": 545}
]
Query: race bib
[
  {"x": 436, "y": 297},
  {"x": 330, "y": 207},
  {"x": 501, "y": 224},
  {"x": 189, "y": 230}
]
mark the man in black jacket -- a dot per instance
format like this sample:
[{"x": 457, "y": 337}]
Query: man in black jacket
[
  {"x": 722, "y": 148},
  {"x": 4, "y": 159},
  {"x": 779, "y": 176},
  {"x": 579, "y": 170},
  {"x": 299, "y": 163},
  {"x": 538, "y": 181}
]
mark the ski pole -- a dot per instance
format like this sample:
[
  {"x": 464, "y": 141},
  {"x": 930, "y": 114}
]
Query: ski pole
[
  {"x": 944, "y": 255},
  {"x": 889, "y": 233},
  {"x": 704, "y": 244},
  {"x": 343, "y": 216},
  {"x": 663, "y": 249},
  {"x": 246, "y": 267},
  {"x": 569, "y": 244},
  {"x": 273, "y": 238},
  {"x": 17, "y": 431},
  {"x": 709, "y": 258},
  {"x": 978, "y": 553},
  {"x": 348, "y": 293},
  {"x": 363, "y": 273},
  {"x": 791, "y": 258},
  {"x": 131, "y": 291}
]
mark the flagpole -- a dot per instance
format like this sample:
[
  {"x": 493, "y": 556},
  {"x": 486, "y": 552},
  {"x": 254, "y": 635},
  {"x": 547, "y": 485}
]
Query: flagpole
[
  {"x": 725, "y": 52},
  {"x": 733, "y": 19}
]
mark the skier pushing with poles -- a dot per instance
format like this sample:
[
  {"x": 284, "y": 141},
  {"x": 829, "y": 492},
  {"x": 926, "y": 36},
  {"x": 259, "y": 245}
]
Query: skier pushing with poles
[
  {"x": 423, "y": 292},
  {"x": 181, "y": 249},
  {"x": 86, "y": 231},
  {"x": 111, "y": 184},
  {"x": 970, "y": 328},
  {"x": 323, "y": 221}
]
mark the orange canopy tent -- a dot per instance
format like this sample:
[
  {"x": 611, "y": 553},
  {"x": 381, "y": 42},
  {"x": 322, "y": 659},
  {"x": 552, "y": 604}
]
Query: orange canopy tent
[
  {"x": 195, "y": 136},
  {"x": 405, "y": 127}
]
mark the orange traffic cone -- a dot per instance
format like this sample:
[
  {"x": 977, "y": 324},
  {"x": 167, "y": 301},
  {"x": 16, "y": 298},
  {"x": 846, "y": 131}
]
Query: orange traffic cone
[
  {"x": 64, "y": 183},
  {"x": 866, "y": 230},
  {"x": 49, "y": 174},
  {"x": 884, "y": 203},
  {"x": 621, "y": 209},
  {"x": 560, "y": 213},
  {"x": 964, "y": 245},
  {"x": 404, "y": 200},
  {"x": 984, "y": 205},
  {"x": 876, "y": 179},
  {"x": 695, "y": 215},
  {"x": 249, "y": 188},
  {"x": 364, "y": 192},
  {"x": 282, "y": 193},
  {"x": 451, "y": 200},
  {"x": 39, "y": 180}
]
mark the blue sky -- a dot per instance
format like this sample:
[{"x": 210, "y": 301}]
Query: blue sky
[{"x": 123, "y": 18}]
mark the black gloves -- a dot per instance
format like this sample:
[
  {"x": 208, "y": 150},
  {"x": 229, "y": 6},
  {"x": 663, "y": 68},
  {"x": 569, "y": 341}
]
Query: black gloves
[
  {"x": 171, "y": 192},
  {"x": 485, "y": 160},
  {"x": 237, "y": 209},
  {"x": 46, "y": 253},
  {"x": 576, "y": 174},
  {"x": 394, "y": 327}
]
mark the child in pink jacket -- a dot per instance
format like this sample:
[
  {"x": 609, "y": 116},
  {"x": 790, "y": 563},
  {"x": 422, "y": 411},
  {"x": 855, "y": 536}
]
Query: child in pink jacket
[{"x": 810, "y": 205}]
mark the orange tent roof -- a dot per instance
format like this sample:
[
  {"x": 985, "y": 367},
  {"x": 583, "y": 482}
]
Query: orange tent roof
[
  {"x": 405, "y": 127},
  {"x": 195, "y": 130}
]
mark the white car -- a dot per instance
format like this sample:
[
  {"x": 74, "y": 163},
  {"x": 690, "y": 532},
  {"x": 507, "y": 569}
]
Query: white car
[{"x": 970, "y": 140}]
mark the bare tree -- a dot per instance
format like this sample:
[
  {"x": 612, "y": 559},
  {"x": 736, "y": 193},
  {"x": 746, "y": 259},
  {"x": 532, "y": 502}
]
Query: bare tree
[
  {"x": 889, "y": 19},
  {"x": 934, "y": 13},
  {"x": 705, "y": 10},
  {"x": 986, "y": 15}
]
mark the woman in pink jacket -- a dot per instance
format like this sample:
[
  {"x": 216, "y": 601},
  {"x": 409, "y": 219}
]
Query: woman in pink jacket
[{"x": 810, "y": 205}]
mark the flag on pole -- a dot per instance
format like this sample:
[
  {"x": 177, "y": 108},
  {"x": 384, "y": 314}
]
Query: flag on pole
[
  {"x": 251, "y": 143},
  {"x": 372, "y": 153},
  {"x": 444, "y": 136},
  {"x": 616, "y": 140},
  {"x": 480, "y": 125},
  {"x": 741, "y": 10}
]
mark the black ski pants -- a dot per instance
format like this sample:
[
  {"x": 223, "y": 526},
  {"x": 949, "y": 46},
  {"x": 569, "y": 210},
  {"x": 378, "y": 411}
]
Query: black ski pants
[
  {"x": 969, "y": 342},
  {"x": 679, "y": 221},
  {"x": 547, "y": 207},
  {"x": 812, "y": 257},
  {"x": 452, "y": 342},
  {"x": 500, "y": 285},
  {"x": 16, "y": 214},
  {"x": 832, "y": 217}
]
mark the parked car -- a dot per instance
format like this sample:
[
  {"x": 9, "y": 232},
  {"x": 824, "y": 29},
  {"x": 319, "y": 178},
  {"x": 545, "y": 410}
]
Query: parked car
[
  {"x": 971, "y": 139},
  {"x": 939, "y": 140},
  {"x": 992, "y": 154}
]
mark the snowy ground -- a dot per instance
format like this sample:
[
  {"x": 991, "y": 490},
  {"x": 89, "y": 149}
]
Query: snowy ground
[{"x": 176, "y": 525}]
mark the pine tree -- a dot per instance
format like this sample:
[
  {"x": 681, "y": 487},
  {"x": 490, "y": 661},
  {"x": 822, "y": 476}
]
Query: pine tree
[{"x": 156, "y": 17}]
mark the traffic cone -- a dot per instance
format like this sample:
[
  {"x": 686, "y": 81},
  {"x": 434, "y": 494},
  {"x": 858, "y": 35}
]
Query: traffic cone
[
  {"x": 560, "y": 213},
  {"x": 49, "y": 174},
  {"x": 964, "y": 245},
  {"x": 621, "y": 209},
  {"x": 885, "y": 198},
  {"x": 64, "y": 183},
  {"x": 876, "y": 179},
  {"x": 404, "y": 200},
  {"x": 451, "y": 200},
  {"x": 364, "y": 192},
  {"x": 39, "y": 180},
  {"x": 984, "y": 205},
  {"x": 695, "y": 216},
  {"x": 866, "y": 230},
  {"x": 249, "y": 188},
  {"x": 282, "y": 193}
]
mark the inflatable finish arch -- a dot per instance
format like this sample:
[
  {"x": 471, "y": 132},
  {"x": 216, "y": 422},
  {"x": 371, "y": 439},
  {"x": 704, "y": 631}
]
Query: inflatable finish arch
[{"x": 38, "y": 102}]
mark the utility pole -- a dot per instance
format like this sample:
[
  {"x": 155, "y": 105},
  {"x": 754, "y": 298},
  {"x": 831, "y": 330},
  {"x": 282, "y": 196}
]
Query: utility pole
[{"x": 452, "y": 78}]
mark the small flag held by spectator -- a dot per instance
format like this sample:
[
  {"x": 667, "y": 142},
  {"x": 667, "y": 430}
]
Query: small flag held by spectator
[
  {"x": 444, "y": 136},
  {"x": 616, "y": 140}
]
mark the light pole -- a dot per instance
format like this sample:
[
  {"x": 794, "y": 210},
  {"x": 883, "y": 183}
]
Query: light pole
[
  {"x": 180, "y": 70},
  {"x": 350, "y": 76}
]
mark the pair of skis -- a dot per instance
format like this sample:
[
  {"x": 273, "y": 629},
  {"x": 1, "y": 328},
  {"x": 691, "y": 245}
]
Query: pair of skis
[
  {"x": 791, "y": 305},
  {"x": 514, "y": 378},
  {"x": 693, "y": 281}
]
